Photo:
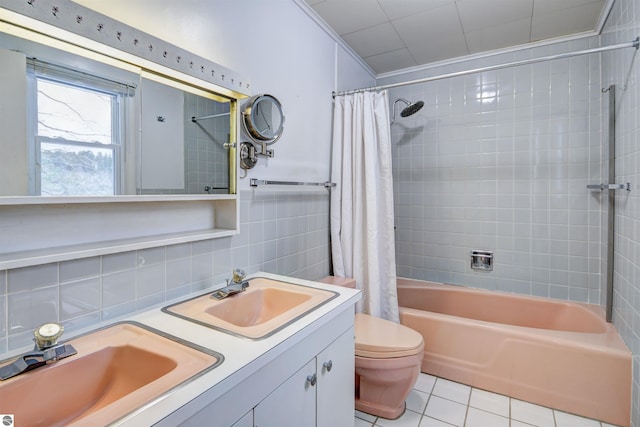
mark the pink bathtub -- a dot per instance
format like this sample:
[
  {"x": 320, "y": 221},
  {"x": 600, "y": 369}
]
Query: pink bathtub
[{"x": 563, "y": 355}]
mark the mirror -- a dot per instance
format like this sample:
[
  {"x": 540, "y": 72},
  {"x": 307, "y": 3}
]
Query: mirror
[
  {"x": 90, "y": 125},
  {"x": 263, "y": 119}
]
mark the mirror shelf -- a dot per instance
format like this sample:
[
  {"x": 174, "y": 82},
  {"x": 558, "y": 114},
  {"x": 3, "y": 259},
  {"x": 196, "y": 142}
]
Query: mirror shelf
[
  {"x": 71, "y": 252},
  {"x": 35, "y": 234},
  {"x": 43, "y": 200}
]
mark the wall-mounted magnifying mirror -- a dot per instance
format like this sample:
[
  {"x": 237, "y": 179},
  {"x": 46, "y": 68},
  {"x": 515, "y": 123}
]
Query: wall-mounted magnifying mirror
[{"x": 263, "y": 120}]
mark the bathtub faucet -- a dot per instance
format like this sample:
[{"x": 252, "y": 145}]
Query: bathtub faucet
[
  {"x": 46, "y": 350},
  {"x": 234, "y": 286}
]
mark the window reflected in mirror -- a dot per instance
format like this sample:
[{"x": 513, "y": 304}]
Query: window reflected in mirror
[{"x": 77, "y": 133}]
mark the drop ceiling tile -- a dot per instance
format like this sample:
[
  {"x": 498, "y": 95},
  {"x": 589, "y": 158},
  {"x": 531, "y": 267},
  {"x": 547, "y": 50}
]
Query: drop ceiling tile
[
  {"x": 565, "y": 21},
  {"x": 374, "y": 40},
  {"x": 476, "y": 15},
  {"x": 391, "y": 61},
  {"x": 498, "y": 36},
  {"x": 541, "y": 6},
  {"x": 348, "y": 16},
  {"x": 431, "y": 30},
  {"x": 395, "y": 9},
  {"x": 433, "y": 35}
]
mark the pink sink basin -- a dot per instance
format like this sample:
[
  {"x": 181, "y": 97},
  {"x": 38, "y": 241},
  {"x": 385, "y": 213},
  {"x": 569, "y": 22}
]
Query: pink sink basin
[
  {"x": 264, "y": 308},
  {"x": 116, "y": 371}
]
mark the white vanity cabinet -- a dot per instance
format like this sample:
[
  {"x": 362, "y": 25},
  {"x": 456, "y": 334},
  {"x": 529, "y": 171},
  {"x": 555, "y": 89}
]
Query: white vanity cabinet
[
  {"x": 336, "y": 383},
  {"x": 306, "y": 380},
  {"x": 320, "y": 394},
  {"x": 291, "y": 404}
]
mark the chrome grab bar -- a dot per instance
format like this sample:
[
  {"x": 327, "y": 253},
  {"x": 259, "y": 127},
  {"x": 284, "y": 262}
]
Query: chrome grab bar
[
  {"x": 603, "y": 187},
  {"x": 256, "y": 182}
]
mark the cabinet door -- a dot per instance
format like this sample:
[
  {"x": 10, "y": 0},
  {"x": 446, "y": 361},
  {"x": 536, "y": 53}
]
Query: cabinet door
[
  {"x": 336, "y": 388},
  {"x": 293, "y": 403}
]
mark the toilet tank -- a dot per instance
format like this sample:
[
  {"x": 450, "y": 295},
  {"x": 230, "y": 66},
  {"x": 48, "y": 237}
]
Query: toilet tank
[{"x": 346, "y": 282}]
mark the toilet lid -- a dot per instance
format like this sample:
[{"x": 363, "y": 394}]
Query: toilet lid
[{"x": 381, "y": 339}]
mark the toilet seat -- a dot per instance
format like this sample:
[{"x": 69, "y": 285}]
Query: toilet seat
[{"x": 382, "y": 339}]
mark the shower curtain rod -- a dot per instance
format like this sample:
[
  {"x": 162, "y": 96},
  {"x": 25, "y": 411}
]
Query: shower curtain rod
[{"x": 635, "y": 43}]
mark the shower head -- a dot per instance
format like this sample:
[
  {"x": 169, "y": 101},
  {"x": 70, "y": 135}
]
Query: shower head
[{"x": 409, "y": 110}]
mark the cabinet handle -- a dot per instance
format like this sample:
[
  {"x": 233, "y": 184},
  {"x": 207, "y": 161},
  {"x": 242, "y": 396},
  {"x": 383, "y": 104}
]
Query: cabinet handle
[
  {"x": 312, "y": 379},
  {"x": 328, "y": 365}
]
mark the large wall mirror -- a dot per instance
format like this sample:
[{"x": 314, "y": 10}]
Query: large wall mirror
[{"x": 78, "y": 123}]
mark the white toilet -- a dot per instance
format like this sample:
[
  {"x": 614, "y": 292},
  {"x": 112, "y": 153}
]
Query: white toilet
[{"x": 388, "y": 359}]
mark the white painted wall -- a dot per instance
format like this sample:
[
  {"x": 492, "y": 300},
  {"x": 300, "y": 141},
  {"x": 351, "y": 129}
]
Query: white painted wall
[
  {"x": 14, "y": 175},
  {"x": 279, "y": 48}
]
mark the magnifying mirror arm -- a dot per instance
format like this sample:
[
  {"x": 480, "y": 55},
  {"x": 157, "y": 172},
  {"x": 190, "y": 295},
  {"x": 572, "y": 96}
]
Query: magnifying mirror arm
[{"x": 264, "y": 151}]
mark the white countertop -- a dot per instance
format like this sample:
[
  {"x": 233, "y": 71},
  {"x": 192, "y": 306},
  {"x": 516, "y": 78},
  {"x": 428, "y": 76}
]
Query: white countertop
[{"x": 242, "y": 357}]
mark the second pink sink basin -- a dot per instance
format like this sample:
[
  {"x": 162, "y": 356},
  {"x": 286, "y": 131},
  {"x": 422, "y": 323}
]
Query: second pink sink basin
[{"x": 260, "y": 311}]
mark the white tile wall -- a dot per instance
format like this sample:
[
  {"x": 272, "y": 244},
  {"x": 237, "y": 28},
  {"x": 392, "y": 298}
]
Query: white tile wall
[
  {"x": 284, "y": 232},
  {"x": 622, "y": 26},
  {"x": 500, "y": 161}
]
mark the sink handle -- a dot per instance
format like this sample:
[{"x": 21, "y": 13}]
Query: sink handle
[
  {"x": 238, "y": 275},
  {"x": 312, "y": 379}
]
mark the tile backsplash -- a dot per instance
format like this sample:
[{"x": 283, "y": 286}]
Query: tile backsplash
[{"x": 283, "y": 232}]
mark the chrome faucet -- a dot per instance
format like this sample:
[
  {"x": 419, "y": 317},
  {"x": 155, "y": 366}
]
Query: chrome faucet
[
  {"x": 46, "y": 350},
  {"x": 234, "y": 286}
]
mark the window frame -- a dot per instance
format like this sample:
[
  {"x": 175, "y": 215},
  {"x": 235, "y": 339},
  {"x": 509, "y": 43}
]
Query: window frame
[{"x": 120, "y": 92}]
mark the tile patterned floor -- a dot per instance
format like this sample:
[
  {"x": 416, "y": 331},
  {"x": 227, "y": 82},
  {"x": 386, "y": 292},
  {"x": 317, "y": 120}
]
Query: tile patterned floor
[{"x": 436, "y": 402}]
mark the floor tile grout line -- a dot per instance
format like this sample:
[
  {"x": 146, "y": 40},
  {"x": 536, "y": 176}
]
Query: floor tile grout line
[{"x": 510, "y": 418}]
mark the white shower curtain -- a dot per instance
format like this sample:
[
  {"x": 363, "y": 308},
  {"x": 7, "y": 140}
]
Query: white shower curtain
[{"x": 362, "y": 224}]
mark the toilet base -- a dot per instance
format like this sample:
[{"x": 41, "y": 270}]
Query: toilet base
[
  {"x": 381, "y": 411},
  {"x": 382, "y": 385}
]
